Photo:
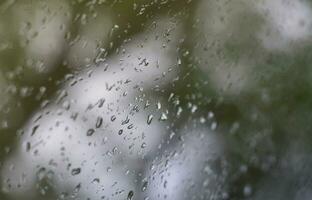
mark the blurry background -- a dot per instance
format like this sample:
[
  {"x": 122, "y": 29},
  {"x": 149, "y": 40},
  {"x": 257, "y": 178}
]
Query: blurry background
[{"x": 155, "y": 99}]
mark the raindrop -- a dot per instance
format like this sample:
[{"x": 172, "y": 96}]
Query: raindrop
[
  {"x": 144, "y": 186},
  {"x": 170, "y": 97},
  {"x": 179, "y": 111},
  {"x": 120, "y": 132},
  {"x": 149, "y": 119},
  {"x": 75, "y": 171},
  {"x": 213, "y": 126},
  {"x": 158, "y": 105},
  {"x": 28, "y": 146},
  {"x": 96, "y": 180},
  {"x": 247, "y": 190},
  {"x": 202, "y": 120},
  {"x": 109, "y": 169},
  {"x": 99, "y": 122},
  {"x": 130, "y": 195},
  {"x": 113, "y": 118},
  {"x": 179, "y": 61},
  {"x": 130, "y": 126},
  {"x": 126, "y": 121},
  {"x": 194, "y": 108},
  {"x": 147, "y": 104},
  {"x": 143, "y": 145},
  {"x": 163, "y": 117},
  {"x": 210, "y": 115},
  {"x": 101, "y": 102},
  {"x": 90, "y": 132},
  {"x": 34, "y": 130},
  {"x": 77, "y": 188},
  {"x": 165, "y": 184}
]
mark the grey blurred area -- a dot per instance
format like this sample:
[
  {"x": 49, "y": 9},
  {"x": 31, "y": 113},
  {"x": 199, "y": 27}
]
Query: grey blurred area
[{"x": 163, "y": 99}]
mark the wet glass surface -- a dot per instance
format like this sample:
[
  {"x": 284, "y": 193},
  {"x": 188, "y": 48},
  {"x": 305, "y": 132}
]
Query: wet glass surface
[{"x": 155, "y": 99}]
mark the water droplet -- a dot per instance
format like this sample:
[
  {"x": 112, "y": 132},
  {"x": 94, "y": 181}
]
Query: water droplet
[
  {"x": 147, "y": 104},
  {"x": 96, "y": 180},
  {"x": 144, "y": 186},
  {"x": 28, "y": 146},
  {"x": 165, "y": 184},
  {"x": 149, "y": 119},
  {"x": 163, "y": 117},
  {"x": 202, "y": 120},
  {"x": 143, "y": 145},
  {"x": 130, "y": 126},
  {"x": 179, "y": 111},
  {"x": 99, "y": 122},
  {"x": 109, "y": 169},
  {"x": 126, "y": 121},
  {"x": 34, "y": 130},
  {"x": 113, "y": 118},
  {"x": 75, "y": 171},
  {"x": 213, "y": 126},
  {"x": 90, "y": 132},
  {"x": 170, "y": 97},
  {"x": 120, "y": 132},
  {"x": 77, "y": 188},
  {"x": 179, "y": 61},
  {"x": 194, "y": 108},
  {"x": 130, "y": 195},
  {"x": 158, "y": 105},
  {"x": 247, "y": 190},
  {"x": 210, "y": 115}
]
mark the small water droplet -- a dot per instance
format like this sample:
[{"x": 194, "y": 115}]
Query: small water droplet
[
  {"x": 90, "y": 132},
  {"x": 28, "y": 146},
  {"x": 75, "y": 171},
  {"x": 210, "y": 115},
  {"x": 213, "y": 126},
  {"x": 34, "y": 130},
  {"x": 149, "y": 119},
  {"x": 144, "y": 186},
  {"x": 126, "y": 121},
  {"x": 130, "y": 195},
  {"x": 109, "y": 169},
  {"x": 99, "y": 122},
  {"x": 194, "y": 108},
  {"x": 163, "y": 117},
  {"x": 77, "y": 188},
  {"x": 165, "y": 184},
  {"x": 113, "y": 118},
  {"x": 96, "y": 180},
  {"x": 158, "y": 105},
  {"x": 147, "y": 104},
  {"x": 179, "y": 111},
  {"x": 120, "y": 132},
  {"x": 247, "y": 190},
  {"x": 130, "y": 126},
  {"x": 202, "y": 120},
  {"x": 143, "y": 145}
]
